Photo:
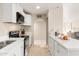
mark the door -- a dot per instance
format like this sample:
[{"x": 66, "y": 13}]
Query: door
[{"x": 40, "y": 32}]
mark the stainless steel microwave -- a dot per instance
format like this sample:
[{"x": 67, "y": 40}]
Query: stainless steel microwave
[{"x": 19, "y": 18}]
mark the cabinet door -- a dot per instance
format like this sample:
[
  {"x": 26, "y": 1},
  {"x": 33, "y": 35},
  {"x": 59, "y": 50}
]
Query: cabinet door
[
  {"x": 14, "y": 10},
  {"x": 60, "y": 50},
  {"x": 1, "y": 12},
  {"x": 18, "y": 51},
  {"x": 51, "y": 45},
  {"x": 28, "y": 20},
  {"x": 7, "y": 12},
  {"x": 19, "y": 8}
]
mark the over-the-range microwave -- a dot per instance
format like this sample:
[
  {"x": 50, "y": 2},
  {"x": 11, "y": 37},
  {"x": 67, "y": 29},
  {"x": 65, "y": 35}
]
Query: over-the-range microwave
[{"x": 19, "y": 18}]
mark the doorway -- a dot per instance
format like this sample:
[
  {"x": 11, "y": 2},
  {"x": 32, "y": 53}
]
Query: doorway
[{"x": 40, "y": 32}]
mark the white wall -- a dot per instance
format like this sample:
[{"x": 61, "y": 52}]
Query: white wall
[
  {"x": 71, "y": 11},
  {"x": 6, "y": 27},
  {"x": 71, "y": 16}
]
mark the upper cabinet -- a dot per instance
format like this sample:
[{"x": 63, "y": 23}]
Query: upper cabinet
[
  {"x": 19, "y": 9},
  {"x": 28, "y": 19},
  {"x": 5, "y": 12},
  {"x": 8, "y": 13},
  {"x": 1, "y": 12}
]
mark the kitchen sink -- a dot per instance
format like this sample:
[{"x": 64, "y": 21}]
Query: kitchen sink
[
  {"x": 1, "y": 45},
  {"x": 9, "y": 41},
  {"x": 5, "y": 43}
]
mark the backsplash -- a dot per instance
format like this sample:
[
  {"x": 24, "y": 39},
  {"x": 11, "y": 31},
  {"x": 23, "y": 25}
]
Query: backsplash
[
  {"x": 6, "y": 27},
  {"x": 3, "y": 29}
]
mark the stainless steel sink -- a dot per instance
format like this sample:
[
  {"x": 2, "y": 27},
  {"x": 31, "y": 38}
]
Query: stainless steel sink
[
  {"x": 7, "y": 42},
  {"x": 2, "y": 45}
]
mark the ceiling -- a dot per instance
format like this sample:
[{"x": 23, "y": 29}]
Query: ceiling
[{"x": 31, "y": 7}]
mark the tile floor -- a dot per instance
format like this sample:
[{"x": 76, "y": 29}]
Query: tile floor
[{"x": 38, "y": 51}]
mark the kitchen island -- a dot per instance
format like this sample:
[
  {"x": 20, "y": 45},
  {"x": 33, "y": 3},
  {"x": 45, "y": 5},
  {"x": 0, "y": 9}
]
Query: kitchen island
[{"x": 60, "y": 47}]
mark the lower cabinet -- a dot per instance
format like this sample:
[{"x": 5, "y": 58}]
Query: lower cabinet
[
  {"x": 60, "y": 50},
  {"x": 19, "y": 49},
  {"x": 55, "y": 48}
]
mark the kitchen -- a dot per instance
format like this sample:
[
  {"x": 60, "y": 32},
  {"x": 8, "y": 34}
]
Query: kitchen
[
  {"x": 63, "y": 39},
  {"x": 29, "y": 29},
  {"x": 14, "y": 30}
]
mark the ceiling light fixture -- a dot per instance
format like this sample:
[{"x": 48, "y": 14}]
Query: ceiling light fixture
[{"x": 37, "y": 7}]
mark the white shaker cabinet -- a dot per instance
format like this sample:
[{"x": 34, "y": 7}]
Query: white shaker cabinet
[
  {"x": 60, "y": 50},
  {"x": 55, "y": 48},
  {"x": 27, "y": 17},
  {"x": 63, "y": 47},
  {"x": 1, "y": 14},
  {"x": 28, "y": 20},
  {"x": 7, "y": 12},
  {"x": 16, "y": 8},
  {"x": 19, "y": 9}
]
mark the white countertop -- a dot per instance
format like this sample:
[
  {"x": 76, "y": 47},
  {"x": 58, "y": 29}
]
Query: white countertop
[
  {"x": 69, "y": 44},
  {"x": 4, "y": 38},
  {"x": 4, "y": 50}
]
